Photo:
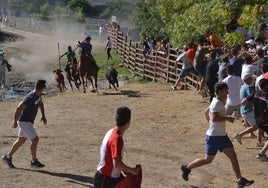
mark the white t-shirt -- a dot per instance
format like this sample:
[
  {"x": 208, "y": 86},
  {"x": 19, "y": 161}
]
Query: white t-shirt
[
  {"x": 251, "y": 69},
  {"x": 257, "y": 82},
  {"x": 216, "y": 128},
  {"x": 234, "y": 84}
]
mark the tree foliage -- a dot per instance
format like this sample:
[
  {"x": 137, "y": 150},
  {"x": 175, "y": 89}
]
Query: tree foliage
[{"x": 185, "y": 21}]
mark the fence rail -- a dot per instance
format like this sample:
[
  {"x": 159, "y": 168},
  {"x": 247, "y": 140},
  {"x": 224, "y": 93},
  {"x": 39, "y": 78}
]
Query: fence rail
[{"x": 156, "y": 67}]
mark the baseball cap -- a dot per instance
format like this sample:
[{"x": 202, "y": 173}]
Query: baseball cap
[
  {"x": 246, "y": 76},
  {"x": 250, "y": 41}
]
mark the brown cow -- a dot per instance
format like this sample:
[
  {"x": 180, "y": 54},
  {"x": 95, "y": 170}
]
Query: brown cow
[{"x": 59, "y": 78}]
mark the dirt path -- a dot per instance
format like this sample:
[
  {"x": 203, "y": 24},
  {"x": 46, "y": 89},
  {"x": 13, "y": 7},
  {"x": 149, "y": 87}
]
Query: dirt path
[{"x": 167, "y": 128}]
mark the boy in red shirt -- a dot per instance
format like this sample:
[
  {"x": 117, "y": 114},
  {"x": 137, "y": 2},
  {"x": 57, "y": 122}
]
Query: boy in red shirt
[{"x": 110, "y": 166}]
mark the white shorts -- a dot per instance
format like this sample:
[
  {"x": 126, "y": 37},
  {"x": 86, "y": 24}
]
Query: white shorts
[
  {"x": 26, "y": 130},
  {"x": 250, "y": 117}
]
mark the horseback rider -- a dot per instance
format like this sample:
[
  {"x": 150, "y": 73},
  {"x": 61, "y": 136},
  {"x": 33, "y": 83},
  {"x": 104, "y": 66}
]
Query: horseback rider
[
  {"x": 86, "y": 50},
  {"x": 70, "y": 54}
]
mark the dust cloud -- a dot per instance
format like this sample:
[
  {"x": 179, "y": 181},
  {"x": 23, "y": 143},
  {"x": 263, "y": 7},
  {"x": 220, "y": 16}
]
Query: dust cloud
[{"x": 36, "y": 55}]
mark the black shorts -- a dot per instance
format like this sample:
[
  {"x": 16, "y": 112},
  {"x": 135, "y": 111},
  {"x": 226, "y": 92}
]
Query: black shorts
[
  {"x": 264, "y": 128},
  {"x": 101, "y": 181}
]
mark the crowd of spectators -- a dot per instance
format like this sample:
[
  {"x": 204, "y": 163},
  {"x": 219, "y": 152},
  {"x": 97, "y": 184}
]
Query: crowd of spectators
[{"x": 243, "y": 69}]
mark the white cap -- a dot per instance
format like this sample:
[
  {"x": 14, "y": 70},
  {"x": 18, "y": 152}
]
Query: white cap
[
  {"x": 250, "y": 41},
  {"x": 246, "y": 76}
]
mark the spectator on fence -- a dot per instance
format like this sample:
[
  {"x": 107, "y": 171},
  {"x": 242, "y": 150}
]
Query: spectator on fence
[
  {"x": 108, "y": 48},
  {"x": 200, "y": 63},
  {"x": 234, "y": 84},
  {"x": 236, "y": 61},
  {"x": 163, "y": 48},
  {"x": 190, "y": 54},
  {"x": 211, "y": 73},
  {"x": 222, "y": 73},
  {"x": 146, "y": 47},
  {"x": 152, "y": 44},
  {"x": 187, "y": 68}
]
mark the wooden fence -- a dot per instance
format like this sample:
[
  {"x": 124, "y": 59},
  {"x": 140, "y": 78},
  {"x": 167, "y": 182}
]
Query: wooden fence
[{"x": 156, "y": 66}]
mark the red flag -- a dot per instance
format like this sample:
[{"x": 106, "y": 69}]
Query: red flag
[{"x": 131, "y": 181}]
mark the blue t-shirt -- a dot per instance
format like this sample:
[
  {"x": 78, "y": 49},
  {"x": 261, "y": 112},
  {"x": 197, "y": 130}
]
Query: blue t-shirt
[
  {"x": 87, "y": 47},
  {"x": 245, "y": 91},
  {"x": 237, "y": 63},
  {"x": 32, "y": 101}
]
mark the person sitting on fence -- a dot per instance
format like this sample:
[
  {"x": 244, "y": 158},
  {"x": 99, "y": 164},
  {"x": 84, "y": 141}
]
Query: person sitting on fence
[
  {"x": 187, "y": 68},
  {"x": 146, "y": 47},
  {"x": 152, "y": 44},
  {"x": 200, "y": 63},
  {"x": 86, "y": 50},
  {"x": 162, "y": 48}
]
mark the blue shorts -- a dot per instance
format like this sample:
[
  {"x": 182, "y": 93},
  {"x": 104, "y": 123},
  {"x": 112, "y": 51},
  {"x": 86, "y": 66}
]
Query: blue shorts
[
  {"x": 201, "y": 70},
  {"x": 217, "y": 143},
  {"x": 185, "y": 72}
]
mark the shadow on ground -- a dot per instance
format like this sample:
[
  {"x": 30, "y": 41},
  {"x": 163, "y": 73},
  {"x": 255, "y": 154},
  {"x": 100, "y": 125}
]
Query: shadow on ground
[{"x": 72, "y": 178}]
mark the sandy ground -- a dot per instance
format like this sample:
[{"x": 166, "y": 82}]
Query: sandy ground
[{"x": 167, "y": 129}]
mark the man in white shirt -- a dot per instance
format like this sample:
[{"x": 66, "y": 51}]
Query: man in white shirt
[{"x": 233, "y": 98}]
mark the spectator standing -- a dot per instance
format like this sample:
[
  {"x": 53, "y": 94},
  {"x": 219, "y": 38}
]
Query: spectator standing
[
  {"x": 247, "y": 109},
  {"x": 236, "y": 61},
  {"x": 211, "y": 74},
  {"x": 24, "y": 117},
  {"x": 248, "y": 67},
  {"x": 217, "y": 138},
  {"x": 234, "y": 84},
  {"x": 261, "y": 113},
  {"x": 261, "y": 60},
  {"x": 222, "y": 73},
  {"x": 108, "y": 48}
]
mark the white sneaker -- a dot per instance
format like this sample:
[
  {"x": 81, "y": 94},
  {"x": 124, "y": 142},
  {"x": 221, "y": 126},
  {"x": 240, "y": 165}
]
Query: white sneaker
[{"x": 238, "y": 138}]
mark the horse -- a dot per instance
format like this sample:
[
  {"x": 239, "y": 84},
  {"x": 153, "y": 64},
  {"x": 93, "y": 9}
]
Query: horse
[
  {"x": 72, "y": 73},
  {"x": 87, "y": 69}
]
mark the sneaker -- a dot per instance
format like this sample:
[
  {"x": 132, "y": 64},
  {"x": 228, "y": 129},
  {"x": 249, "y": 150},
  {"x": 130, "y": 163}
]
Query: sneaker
[
  {"x": 174, "y": 87},
  {"x": 262, "y": 156},
  {"x": 238, "y": 138},
  {"x": 244, "y": 182},
  {"x": 8, "y": 161},
  {"x": 37, "y": 164},
  {"x": 185, "y": 172}
]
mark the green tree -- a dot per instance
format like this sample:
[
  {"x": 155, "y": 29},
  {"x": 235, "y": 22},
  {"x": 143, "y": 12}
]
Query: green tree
[
  {"x": 186, "y": 21},
  {"x": 80, "y": 7}
]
